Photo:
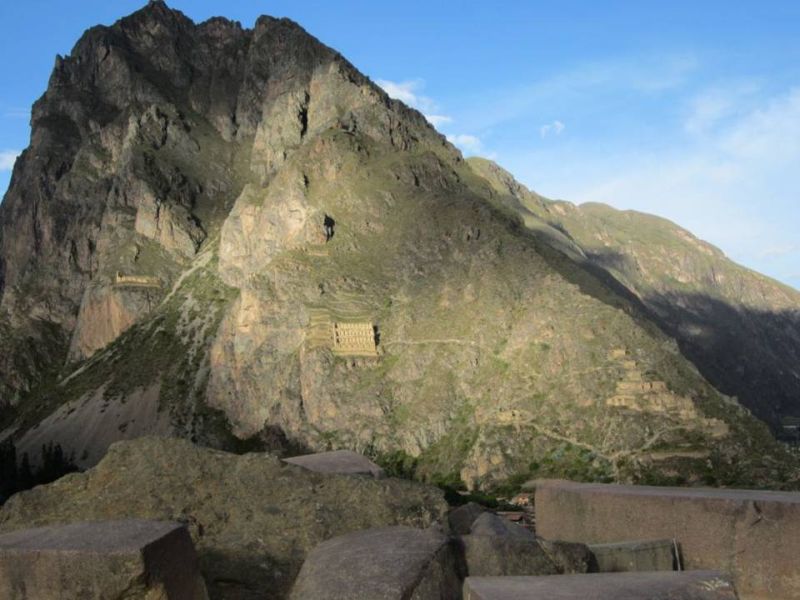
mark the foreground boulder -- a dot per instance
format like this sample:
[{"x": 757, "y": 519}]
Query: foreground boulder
[
  {"x": 340, "y": 462},
  {"x": 753, "y": 535},
  {"x": 253, "y": 518},
  {"x": 497, "y": 547},
  {"x": 488, "y": 555},
  {"x": 393, "y": 563},
  {"x": 489, "y": 523},
  {"x": 685, "y": 585},
  {"x": 104, "y": 560}
]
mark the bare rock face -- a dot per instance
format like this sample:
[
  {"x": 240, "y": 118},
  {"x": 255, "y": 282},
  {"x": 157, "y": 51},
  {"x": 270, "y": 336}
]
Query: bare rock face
[
  {"x": 102, "y": 560},
  {"x": 392, "y": 563},
  {"x": 166, "y": 231},
  {"x": 252, "y": 518}
]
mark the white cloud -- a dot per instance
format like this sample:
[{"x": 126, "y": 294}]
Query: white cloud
[
  {"x": 466, "y": 142},
  {"x": 604, "y": 80},
  {"x": 735, "y": 184},
  {"x": 409, "y": 92},
  {"x": 777, "y": 250},
  {"x": 438, "y": 120},
  {"x": 17, "y": 113},
  {"x": 7, "y": 158},
  {"x": 556, "y": 127},
  {"x": 714, "y": 105}
]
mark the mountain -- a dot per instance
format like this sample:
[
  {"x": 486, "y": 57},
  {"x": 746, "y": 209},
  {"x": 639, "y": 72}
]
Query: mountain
[
  {"x": 231, "y": 235},
  {"x": 740, "y": 328}
]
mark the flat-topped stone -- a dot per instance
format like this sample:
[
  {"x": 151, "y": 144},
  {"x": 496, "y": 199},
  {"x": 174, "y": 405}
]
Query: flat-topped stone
[
  {"x": 342, "y": 462},
  {"x": 753, "y": 535},
  {"x": 650, "y": 555},
  {"x": 100, "y": 559},
  {"x": 685, "y": 585},
  {"x": 640, "y": 491},
  {"x": 389, "y": 563}
]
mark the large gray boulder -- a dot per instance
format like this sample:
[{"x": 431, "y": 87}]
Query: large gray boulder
[
  {"x": 393, "y": 563},
  {"x": 253, "y": 518},
  {"x": 341, "y": 462},
  {"x": 105, "y": 560},
  {"x": 497, "y": 547},
  {"x": 490, "y": 524},
  {"x": 685, "y": 585}
]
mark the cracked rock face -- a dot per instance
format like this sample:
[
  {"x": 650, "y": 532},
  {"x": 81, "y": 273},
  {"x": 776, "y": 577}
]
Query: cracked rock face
[{"x": 166, "y": 231}]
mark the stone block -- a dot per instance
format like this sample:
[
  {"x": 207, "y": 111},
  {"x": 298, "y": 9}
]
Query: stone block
[
  {"x": 503, "y": 555},
  {"x": 338, "y": 462},
  {"x": 131, "y": 559},
  {"x": 685, "y": 585},
  {"x": 391, "y": 563},
  {"x": 753, "y": 535},
  {"x": 652, "y": 555}
]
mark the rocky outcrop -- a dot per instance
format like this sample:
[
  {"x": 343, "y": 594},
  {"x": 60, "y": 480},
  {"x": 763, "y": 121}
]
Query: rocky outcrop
[
  {"x": 252, "y": 518},
  {"x": 104, "y": 560}
]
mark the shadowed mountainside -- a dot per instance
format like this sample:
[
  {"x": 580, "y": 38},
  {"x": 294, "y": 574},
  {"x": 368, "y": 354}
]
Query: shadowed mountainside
[{"x": 740, "y": 328}]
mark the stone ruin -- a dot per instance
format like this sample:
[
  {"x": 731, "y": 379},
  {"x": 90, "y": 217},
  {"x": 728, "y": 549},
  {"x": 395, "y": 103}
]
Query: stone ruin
[
  {"x": 354, "y": 339},
  {"x": 344, "y": 339},
  {"x": 136, "y": 281}
]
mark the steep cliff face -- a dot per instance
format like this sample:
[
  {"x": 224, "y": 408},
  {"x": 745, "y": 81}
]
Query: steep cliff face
[
  {"x": 222, "y": 204},
  {"x": 740, "y": 328}
]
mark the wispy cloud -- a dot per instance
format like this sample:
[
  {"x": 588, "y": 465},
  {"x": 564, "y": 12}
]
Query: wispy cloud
[
  {"x": 410, "y": 93},
  {"x": 17, "y": 113},
  {"x": 467, "y": 143},
  {"x": 556, "y": 127},
  {"x": 714, "y": 105},
  {"x": 439, "y": 120},
  {"x": 731, "y": 179},
  {"x": 7, "y": 159},
  {"x": 777, "y": 250},
  {"x": 643, "y": 76}
]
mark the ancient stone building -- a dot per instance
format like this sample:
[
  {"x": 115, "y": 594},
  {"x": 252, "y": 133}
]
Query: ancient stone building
[
  {"x": 354, "y": 339},
  {"x": 136, "y": 281}
]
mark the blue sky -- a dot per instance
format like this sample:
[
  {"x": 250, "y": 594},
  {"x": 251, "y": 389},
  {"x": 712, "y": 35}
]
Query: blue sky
[{"x": 689, "y": 110}]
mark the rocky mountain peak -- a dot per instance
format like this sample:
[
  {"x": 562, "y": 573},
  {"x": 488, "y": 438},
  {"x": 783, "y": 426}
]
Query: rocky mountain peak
[{"x": 231, "y": 234}]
